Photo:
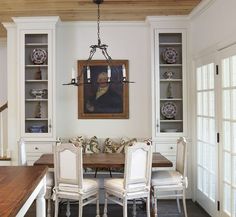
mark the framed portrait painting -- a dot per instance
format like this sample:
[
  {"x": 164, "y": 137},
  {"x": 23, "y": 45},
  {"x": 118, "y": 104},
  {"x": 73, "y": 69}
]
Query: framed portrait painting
[{"x": 102, "y": 94}]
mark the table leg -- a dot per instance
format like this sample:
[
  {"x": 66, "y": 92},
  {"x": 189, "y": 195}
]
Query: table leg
[{"x": 40, "y": 202}]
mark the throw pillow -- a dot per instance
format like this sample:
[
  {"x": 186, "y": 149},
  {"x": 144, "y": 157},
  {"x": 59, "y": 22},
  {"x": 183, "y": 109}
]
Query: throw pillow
[
  {"x": 92, "y": 145},
  {"x": 78, "y": 141},
  {"x": 112, "y": 147}
]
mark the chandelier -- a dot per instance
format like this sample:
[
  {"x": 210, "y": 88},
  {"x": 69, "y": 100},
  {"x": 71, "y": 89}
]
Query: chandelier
[{"x": 77, "y": 80}]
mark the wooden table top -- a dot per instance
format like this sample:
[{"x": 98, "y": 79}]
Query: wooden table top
[
  {"x": 16, "y": 185},
  {"x": 103, "y": 160}
]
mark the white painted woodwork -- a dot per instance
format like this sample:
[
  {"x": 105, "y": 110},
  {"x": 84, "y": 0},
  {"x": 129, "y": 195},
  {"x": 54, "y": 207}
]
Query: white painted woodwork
[
  {"x": 206, "y": 129},
  {"x": 16, "y": 76}
]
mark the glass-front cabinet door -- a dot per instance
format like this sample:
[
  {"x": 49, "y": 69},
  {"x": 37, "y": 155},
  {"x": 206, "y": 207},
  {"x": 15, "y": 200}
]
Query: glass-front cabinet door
[
  {"x": 36, "y": 96},
  {"x": 170, "y": 64}
]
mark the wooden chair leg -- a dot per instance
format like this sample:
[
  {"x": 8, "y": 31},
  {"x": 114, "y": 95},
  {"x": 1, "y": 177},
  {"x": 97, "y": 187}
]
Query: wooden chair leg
[
  {"x": 68, "y": 209},
  {"x": 155, "y": 203},
  {"x": 97, "y": 209},
  {"x": 81, "y": 207},
  {"x": 178, "y": 204},
  {"x": 56, "y": 207},
  {"x": 148, "y": 206},
  {"x": 184, "y": 204},
  {"x": 125, "y": 211},
  {"x": 49, "y": 208},
  {"x": 134, "y": 208},
  {"x": 105, "y": 206}
]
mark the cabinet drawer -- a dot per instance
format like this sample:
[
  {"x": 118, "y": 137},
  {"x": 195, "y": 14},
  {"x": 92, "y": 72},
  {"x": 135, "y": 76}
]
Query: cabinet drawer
[
  {"x": 166, "y": 148},
  {"x": 39, "y": 148}
]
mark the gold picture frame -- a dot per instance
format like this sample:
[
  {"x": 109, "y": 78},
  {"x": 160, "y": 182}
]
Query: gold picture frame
[{"x": 98, "y": 98}]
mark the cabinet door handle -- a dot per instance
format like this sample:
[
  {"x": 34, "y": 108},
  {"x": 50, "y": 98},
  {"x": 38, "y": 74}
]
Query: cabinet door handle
[
  {"x": 36, "y": 148},
  {"x": 171, "y": 148},
  {"x": 50, "y": 126}
]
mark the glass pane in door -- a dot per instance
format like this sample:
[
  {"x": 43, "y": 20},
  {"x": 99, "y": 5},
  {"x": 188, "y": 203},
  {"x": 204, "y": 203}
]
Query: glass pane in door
[
  {"x": 229, "y": 135},
  {"x": 206, "y": 135}
]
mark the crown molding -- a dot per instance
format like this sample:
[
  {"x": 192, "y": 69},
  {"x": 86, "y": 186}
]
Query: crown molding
[{"x": 200, "y": 8}]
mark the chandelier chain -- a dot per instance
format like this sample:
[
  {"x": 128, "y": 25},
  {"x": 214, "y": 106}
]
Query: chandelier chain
[{"x": 98, "y": 25}]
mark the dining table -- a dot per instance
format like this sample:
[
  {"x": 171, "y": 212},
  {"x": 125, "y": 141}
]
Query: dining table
[
  {"x": 105, "y": 160},
  {"x": 19, "y": 187}
]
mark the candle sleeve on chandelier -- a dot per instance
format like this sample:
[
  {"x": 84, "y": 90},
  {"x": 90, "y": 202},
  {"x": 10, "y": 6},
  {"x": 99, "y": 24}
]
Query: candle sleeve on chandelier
[
  {"x": 88, "y": 72},
  {"x": 108, "y": 72},
  {"x": 73, "y": 73},
  {"x": 123, "y": 71}
]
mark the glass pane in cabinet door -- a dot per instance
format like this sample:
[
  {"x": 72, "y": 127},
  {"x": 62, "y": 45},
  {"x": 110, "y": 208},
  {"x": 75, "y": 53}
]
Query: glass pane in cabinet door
[
  {"x": 170, "y": 72},
  {"x": 36, "y": 83}
]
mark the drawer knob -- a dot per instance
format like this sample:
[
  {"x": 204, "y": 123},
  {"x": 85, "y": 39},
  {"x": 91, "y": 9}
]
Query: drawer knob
[
  {"x": 171, "y": 147},
  {"x": 36, "y": 148}
]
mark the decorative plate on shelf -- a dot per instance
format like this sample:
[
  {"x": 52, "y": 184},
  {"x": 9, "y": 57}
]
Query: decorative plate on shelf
[
  {"x": 39, "y": 56},
  {"x": 170, "y": 55},
  {"x": 169, "y": 110}
]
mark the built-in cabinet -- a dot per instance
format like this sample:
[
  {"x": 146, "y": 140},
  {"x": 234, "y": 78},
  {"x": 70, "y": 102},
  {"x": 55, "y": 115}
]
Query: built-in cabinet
[
  {"x": 169, "y": 101},
  {"x": 34, "y": 43}
]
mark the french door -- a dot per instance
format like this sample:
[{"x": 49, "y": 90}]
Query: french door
[
  {"x": 228, "y": 132},
  {"x": 216, "y": 134},
  {"x": 206, "y": 137}
]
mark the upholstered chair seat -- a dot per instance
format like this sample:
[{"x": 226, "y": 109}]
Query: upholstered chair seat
[
  {"x": 88, "y": 185},
  {"x": 164, "y": 178}
]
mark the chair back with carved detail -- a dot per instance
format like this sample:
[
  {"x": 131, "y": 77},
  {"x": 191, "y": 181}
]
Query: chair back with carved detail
[
  {"x": 138, "y": 165},
  {"x": 181, "y": 156},
  {"x": 68, "y": 164}
]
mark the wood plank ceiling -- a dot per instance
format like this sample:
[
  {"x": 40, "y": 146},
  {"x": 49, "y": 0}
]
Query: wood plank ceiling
[{"x": 86, "y": 10}]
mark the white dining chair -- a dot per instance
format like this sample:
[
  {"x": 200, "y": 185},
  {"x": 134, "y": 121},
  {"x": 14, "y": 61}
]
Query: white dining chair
[
  {"x": 136, "y": 181},
  {"x": 69, "y": 181},
  {"x": 49, "y": 176},
  {"x": 174, "y": 182}
]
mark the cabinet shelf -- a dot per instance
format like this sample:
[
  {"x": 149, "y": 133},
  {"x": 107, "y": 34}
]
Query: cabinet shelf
[
  {"x": 174, "y": 121},
  {"x": 35, "y": 66},
  {"x": 35, "y": 81},
  {"x": 170, "y": 44},
  {"x": 36, "y": 119},
  {"x": 170, "y": 65},
  {"x": 172, "y": 80},
  {"x": 36, "y": 100},
  {"x": 171, "y": 99},
  {"x": 36, "y": 44}
]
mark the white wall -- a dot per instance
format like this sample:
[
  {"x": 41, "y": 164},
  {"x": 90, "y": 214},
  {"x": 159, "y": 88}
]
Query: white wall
[
  {"x": 214, "y": 25},
  {"x": 3, "y": 71},
  {"x": 126, "y": 41},
  {"x": 3, "y": 86}
]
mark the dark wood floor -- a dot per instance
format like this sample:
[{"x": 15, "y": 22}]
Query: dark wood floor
[{"x": 166, "y": 208}]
